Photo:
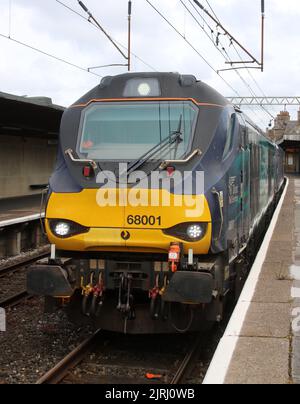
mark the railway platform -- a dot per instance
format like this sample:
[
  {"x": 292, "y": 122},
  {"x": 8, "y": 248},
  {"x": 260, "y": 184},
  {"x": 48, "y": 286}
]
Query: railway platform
[
  {"x": 262, "y": 342},
  {"x": 16, "y": 210},
  {"x": 20, "y": 226}
]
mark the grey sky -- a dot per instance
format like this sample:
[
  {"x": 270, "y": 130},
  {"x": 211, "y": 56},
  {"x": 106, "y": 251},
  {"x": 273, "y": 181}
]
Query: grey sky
[{"x": 47, "y": 25}]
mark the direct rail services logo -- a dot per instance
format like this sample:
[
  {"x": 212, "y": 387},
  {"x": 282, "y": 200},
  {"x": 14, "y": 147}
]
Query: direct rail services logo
[{"x": 2, "y": 320}]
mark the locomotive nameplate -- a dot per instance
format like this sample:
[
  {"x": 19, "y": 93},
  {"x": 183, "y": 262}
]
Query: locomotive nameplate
[{"x": 233, "y": 190}]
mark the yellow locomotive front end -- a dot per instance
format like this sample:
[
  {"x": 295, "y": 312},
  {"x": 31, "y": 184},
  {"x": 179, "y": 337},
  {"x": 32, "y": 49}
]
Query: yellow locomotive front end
[
  {"x": 127, "y": 215},
  {"x": 124, "y": 229}
]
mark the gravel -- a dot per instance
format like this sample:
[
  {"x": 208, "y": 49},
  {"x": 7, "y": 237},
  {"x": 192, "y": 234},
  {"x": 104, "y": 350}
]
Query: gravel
[
  {"x": 34, "y": 342},
  {"x": 12, "y": 283},
  {"x": 128, "y": 359}
]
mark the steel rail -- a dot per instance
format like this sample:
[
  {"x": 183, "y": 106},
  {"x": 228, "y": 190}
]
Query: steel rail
[
  {"x": 61, "y": 370},
  {"x": 19, "y": 297},
  {"x": 22, "y": 263},
  {"x": 188, "y": 362},
  {"x": 15, "y": 299}
]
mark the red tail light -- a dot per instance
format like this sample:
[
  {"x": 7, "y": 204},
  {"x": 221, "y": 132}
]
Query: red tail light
[
  {"x": 88, "y": 172},
  {"x": 170, "y": 171}
]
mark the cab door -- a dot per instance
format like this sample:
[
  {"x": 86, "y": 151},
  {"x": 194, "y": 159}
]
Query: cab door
[{"x": 245, "y": 214}]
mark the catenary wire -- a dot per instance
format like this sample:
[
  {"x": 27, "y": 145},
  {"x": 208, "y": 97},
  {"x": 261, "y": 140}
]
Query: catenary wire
[
  {"x": 228, "y": 59},
  {"x": 191, "y": 45},
  {"x": 223, "y": 52},
  {"x": 240, "y": 57},
  {"x": 49, "y": 55}
]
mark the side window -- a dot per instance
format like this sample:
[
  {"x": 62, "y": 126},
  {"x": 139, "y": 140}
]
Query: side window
[{"x": 230, "y": 136}]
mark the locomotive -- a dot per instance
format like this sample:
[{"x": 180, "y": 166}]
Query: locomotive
[{"x": 160, "y": 187}]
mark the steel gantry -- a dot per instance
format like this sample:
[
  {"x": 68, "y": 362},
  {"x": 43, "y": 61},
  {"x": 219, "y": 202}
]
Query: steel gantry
[{"x": 266, "y": 101}]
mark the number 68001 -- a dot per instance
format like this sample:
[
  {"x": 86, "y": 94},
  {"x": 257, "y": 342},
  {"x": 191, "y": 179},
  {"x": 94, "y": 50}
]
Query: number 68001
[{"x": 144, "y": 220}]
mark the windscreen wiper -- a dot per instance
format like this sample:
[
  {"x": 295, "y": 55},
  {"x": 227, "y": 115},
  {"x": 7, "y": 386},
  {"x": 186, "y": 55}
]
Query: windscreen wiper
[
  {"x": 179, "y": 139},
  {"x": 173, "y": 137}
]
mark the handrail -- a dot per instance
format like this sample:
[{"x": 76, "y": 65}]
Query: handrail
[
  {"x": 220, "y": 197},
  {"x": 69, "y": 152},
  {"x": 192, "y": 155}
]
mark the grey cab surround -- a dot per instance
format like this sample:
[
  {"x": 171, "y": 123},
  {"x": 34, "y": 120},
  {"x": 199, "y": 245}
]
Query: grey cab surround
[{"x": 170, "y": 87}]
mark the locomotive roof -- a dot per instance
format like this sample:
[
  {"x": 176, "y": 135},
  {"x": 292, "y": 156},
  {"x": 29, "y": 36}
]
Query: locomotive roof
[{"x": 172, "y": 85}]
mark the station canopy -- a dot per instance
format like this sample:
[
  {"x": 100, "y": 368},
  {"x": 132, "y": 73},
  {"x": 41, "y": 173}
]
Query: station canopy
[{"x": 29, "y": 116}]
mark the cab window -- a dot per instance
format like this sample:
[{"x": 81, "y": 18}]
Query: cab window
[
  {"x": 126, "y": 130},
  {"x": 230, "y": 136}
]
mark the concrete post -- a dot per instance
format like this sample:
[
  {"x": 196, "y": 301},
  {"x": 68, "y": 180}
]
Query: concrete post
[
  {"x": 2, "y": 244},
  {"x": 38, "y": 242},
  {"x": 14, "y": 241}
]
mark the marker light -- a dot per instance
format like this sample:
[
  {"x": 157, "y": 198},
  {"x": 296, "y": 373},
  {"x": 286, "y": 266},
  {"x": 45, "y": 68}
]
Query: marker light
[
  {"x": 66, "y": 228},
  {"x": 195, "y": 231},
  {"x": 191, "y": 232},
  {"x": 62, "y": 229}
]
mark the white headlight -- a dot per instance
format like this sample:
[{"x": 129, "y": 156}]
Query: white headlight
[
  {"x": 195, "y": 231},
  {"x": 144, "y": 89},
  {"x": 62, "y": 229}
]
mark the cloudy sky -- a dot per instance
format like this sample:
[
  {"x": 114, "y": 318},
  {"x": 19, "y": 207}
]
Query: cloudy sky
[{"x": 52, "y": 28}]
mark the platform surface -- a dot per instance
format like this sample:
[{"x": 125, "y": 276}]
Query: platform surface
[
  {"x": 265, "y": 348},
  {"x": 17, "y": 208}
]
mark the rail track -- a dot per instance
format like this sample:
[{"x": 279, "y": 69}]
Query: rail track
[
  {"x": 15, "y": 299},
  {"x": 24, "y": 262},
  {"x": 187, "y": 364},
  {"x": 62, "y": 372},
  {"x": 19, "y": 266}
]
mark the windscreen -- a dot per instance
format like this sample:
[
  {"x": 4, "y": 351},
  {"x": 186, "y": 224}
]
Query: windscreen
[{"x": 125, "y": 131}]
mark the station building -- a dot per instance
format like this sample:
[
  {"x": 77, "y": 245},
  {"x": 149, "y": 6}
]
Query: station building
[{"x": 286, "y": 133}]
